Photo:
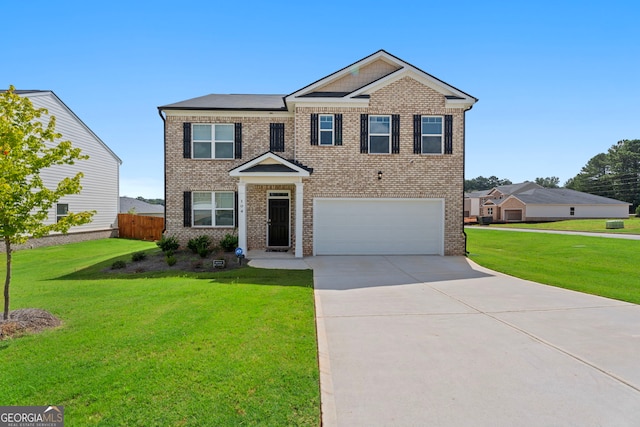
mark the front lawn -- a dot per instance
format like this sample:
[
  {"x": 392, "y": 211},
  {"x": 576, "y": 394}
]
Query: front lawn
[
  {"x": 631, "y": 225},
  {"x": 601, "y": 266},
  {"x": 234, "y": 347}
]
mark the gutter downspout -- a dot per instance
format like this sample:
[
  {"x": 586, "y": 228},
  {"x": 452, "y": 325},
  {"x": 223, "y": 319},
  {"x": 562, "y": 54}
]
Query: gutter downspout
[
  {"x": 464, "y": 166},
  {"x": 164, "y": 120}
]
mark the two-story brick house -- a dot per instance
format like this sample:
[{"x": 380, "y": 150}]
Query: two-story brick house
[{"x": 368, "y": 160}]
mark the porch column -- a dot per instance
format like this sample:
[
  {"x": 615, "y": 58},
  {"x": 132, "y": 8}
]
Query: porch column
[
  {"x": 299, "y": 219},
  {"x": 242, "y": 216}
]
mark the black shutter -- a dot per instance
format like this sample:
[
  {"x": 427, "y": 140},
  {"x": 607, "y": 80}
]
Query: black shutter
[
  {"x": 187, "y": 208},
  {"x": 337, "y": 118},
  {"x": 395, "y": 133},
  {"x": 417, "y": 134},
  {"x": 448, "y": 134},
  {"x": 238, "y": 140},
  {"x": 276, "y": 136},
  {"x": 235, "y": 209},
  {"x": 186, "y": 140},
  {"x": 314, "y": 129},
  {"x": 364, "y": 133}
]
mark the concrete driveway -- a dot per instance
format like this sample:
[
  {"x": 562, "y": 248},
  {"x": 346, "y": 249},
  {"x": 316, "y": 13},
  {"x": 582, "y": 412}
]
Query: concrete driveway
[{"x": 440, "y": 341}]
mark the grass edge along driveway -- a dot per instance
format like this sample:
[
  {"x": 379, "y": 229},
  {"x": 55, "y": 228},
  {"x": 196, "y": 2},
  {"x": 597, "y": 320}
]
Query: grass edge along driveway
[
  {"x": 224, "y": 348},
  {"x": 601, "y": 266}
]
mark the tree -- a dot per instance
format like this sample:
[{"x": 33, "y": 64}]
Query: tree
[
  {"x": 27, "y": 146},
  {"x": 614, "y": 174},
  {"x": 548, "y": 182},
  {"x": 482, "y": 183}
]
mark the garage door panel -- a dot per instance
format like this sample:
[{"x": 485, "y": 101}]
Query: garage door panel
[{"x": 378, "y": 226}]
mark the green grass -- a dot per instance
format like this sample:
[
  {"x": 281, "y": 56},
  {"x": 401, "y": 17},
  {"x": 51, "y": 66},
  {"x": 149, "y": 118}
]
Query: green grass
[
  {"x": 228, "y": 348},
  {"x": 631, "y": 226},
  {"x": 596, "y": 265}
]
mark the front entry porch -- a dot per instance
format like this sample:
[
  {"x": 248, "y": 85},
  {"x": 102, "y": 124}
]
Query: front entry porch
[{"x": 279, "y": 181}]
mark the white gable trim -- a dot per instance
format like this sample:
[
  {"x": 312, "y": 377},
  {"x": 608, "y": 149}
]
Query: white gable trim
[
  {"x": 269, "y": 158},
  {"x": 405, "y": 69}
]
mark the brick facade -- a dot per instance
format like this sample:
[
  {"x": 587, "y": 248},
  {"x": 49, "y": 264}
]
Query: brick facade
[{"x": 338, "y": 171}]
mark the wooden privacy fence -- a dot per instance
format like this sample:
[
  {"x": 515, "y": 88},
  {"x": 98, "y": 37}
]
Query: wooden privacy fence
[{"x": 140, "y": 227}]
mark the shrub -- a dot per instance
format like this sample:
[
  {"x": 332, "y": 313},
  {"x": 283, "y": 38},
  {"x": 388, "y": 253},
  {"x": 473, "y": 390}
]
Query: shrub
[
  {"x": 200, "y": 245},
  {"x": 168, "y": 244},
  {"x": 138, "y": 256},
  {"x": 229, "y": 243},
  {"x": 118, "y": 265},
  {"x": 171, "y": 260},
  {"x": 638, "y": 211}
]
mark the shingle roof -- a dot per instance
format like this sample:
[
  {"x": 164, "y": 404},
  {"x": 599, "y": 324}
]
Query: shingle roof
[
  {"x": 127, "y": 204},
  {"x": 517, "y": 188},
  {"x": 230, "y": 102},
  {"x": 564, "y": 196}
]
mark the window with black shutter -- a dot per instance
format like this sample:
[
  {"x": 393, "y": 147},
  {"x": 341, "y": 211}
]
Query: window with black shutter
[{"x": 276, "y": 137}]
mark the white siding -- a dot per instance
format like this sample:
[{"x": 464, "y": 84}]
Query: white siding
[
  {"x": 581, "y": 211},
  {"x": 100, "y": 184}
]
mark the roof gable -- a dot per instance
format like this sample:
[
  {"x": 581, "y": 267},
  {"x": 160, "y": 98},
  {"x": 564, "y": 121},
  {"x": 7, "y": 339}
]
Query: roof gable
[
  {"x": 270, "y": 164},
  {"x": 357, "y": 81},
  {"x": 48, "y": 93}
]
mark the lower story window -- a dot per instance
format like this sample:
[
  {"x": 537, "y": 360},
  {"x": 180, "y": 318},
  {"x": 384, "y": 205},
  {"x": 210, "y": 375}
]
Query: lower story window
[
  {"x": 572, "y": 211},
  {"x": 213, "y": 209},
  {"x": 489, "y": 211},
  {"x": 62, "y": 210}
]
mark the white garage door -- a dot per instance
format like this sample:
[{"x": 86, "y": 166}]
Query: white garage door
[{"x": 378, "y": 226}]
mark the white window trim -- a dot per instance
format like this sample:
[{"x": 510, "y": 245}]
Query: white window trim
[
  {"x": 212, "y": 141},
  {"x": 441, "y": 134},
  {"x": 213, "y": 210},
  {"x": 320, "y": 130},
  {"x": 379, "y": 134}
]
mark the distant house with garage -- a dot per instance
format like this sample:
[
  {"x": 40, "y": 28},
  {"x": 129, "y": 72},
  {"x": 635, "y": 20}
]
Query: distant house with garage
[
  {"x": 529, "y": 201},
  {"x": 100, "y": 184},
  {"x": 367, "y": 160}
]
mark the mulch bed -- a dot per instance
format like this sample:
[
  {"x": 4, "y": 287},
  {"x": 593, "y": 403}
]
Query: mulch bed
[
  {"x": 27, "y": 321},
  {"x": 186, "y": 261}
]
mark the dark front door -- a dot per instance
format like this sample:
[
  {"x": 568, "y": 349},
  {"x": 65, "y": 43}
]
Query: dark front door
[{"x": 278, "y": 223}]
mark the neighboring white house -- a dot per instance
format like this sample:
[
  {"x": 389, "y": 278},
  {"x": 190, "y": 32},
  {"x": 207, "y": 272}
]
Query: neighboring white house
[{"x": 100, "y": 184}]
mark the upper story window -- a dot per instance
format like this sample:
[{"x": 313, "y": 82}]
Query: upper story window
[
  {"x": 213, "y": 209},
  {"x": 213, "y": 141},
  {"x": 326, "y": 129},
  {"x": 62, "y": 210},
  {"x": 432, "y": 136},
  {"x": 380, "y": 134}
]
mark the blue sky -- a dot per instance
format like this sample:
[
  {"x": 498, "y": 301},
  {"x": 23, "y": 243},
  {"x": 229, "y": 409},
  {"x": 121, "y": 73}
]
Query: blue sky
[{"x": 558, "y": 81}]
